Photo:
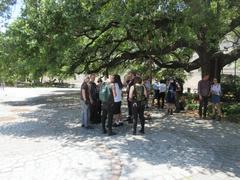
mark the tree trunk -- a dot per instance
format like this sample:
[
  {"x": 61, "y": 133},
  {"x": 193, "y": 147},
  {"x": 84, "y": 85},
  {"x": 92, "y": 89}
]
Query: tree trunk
[{"x": 212, "y": 67}]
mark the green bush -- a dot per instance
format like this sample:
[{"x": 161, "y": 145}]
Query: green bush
[
  {"x": 230, "y": 88},
  {"x": 231, "y": 109},
  {"x": 192, "y": 106}
]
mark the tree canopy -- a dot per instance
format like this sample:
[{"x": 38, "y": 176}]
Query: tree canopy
[{"x": 60, "y": 38}]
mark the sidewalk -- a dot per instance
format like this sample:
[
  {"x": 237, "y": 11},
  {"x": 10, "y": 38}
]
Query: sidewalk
[{"x": 45, "y": 141}]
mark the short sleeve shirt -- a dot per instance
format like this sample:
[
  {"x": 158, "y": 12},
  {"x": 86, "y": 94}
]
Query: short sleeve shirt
[{"x": 86, "y": 88}]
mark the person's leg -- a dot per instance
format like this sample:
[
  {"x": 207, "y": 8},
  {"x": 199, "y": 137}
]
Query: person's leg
[
  {"x": 153, "y": 100},
  {"x": 87, "y": 116},
  {"x": 219, "y": 110},
  {"x": 91, "y": 109},
  {"x": 115, "y": 114},
  {"x": 104, "y": 117},
  {"x": 214, "y": 110},
  {"x": 200, "y": 107},
  {"x": 110, "y": 119},
  {"x": 130, "y": 113},
  {"x": 205, "y": 105},
  {"x": 177, "y": 105},
  {"x": 96, "y": 113},
  {"x": 158, "y": 99},
  {"x": 141, "y": 117},
  {"x": 163, "y": 100},
  {"x": 135, "y": 117},
  {"x": 82, "y": 113},
  {"x": 99, "y": 109}
]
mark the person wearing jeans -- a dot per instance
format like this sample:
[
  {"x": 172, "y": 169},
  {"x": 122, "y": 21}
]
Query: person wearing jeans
[
  {"x": 85, "y": 101},
  {"x": 107, "y": 108},
  {"x": 85, "y": 114},
  {"x": 203, "y": 93}
]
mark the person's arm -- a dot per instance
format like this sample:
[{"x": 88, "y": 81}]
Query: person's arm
[
  {"x": 84, "y": 95},
  {"x": 199, "y": 90},
  {"x": 220, "y": 90},
  {"x": 145, "y": 91},
  {"x": 114, "y": 90},
  {"x": 131, "y": 93}
]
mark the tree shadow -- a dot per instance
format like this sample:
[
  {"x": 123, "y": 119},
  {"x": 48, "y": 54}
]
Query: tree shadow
[{"x": 173, "y": 141}]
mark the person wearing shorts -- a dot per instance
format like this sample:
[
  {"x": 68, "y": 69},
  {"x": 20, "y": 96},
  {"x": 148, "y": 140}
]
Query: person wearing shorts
[
  {"x": 215, "y": 99},
  {"x": 117, "y": 92}
]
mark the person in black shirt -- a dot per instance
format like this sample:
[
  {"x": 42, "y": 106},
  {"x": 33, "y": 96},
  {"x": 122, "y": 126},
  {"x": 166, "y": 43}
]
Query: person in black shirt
[
  {"x": 93, "y": 100},
  {"x": 130, "y": 83}
]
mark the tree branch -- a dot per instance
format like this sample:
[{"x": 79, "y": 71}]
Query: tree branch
[
  {"x": 228, "y": 58},
  {"x": 176, "y": 64}
]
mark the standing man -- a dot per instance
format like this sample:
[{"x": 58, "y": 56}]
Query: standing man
[
  {"x": 130, "y": 83},
  {"x": 85, "y": 101},
  {"x": 107, "y": 98},
  {"x": 137, "y": 96},
  {"x": 93, "y": 99},
  {"x": 203, "y": 93}
]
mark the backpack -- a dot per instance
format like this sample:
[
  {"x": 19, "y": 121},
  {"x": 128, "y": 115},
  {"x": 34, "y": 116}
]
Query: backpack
[
  {"x": 104, "y": 92},
  {"x": 138, "y": 93}
]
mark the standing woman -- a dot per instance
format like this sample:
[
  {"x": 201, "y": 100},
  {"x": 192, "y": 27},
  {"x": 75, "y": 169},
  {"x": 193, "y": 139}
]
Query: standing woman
[
  {"x": 171, "y": 96},
  {"x": 216, "y": 93},
  {"x": 117, "y": 86}
]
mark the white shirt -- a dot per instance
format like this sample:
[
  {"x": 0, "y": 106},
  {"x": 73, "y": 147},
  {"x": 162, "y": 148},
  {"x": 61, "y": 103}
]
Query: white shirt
[
  {"x": 216, "y": 89},
  {"x": 156, "y": 85},
  {"x": 162, "y": 87},
  {"x": 118, "y": 96}
]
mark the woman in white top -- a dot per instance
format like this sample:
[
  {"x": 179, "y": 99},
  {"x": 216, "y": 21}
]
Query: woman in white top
[
  {"x": 215, "y": 98},
  {"x": 117, "y": 92}
]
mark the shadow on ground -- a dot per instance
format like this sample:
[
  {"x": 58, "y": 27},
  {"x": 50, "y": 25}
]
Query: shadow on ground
[{"x": 170, "y": 140}]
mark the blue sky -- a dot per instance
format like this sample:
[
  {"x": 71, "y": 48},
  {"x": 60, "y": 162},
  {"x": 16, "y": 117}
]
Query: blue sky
[{"x": 15, "y": 12}]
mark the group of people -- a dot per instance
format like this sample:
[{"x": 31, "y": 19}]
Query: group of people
[
  {"x": 209, "y": 90},
  {"x": 101, "y": 102},
  {"x": 169, "y": 91}
]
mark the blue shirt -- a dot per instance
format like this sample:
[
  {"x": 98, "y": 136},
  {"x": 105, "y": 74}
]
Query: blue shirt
[{"x": 156, "y": 85}]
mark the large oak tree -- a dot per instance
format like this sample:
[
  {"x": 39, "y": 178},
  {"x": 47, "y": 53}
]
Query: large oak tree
[{"x": 65, "y": 37}]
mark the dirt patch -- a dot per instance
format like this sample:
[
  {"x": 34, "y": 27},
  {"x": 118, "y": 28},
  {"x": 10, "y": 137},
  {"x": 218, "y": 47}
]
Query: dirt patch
[
  {"x": 7, "y": 118},
  {"x": 20, "y": 110},
  {"x": 189, "y": 113}
]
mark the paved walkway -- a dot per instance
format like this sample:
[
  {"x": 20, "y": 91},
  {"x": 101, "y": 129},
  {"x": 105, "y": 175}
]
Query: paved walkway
[{"x": 41, "y": 138}]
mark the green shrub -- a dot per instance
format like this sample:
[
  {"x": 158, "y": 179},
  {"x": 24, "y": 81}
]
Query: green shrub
[
  {"x": 192, "y": 106},
  {"x": 231, "y": 109}
]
